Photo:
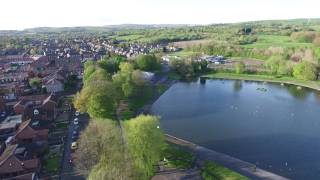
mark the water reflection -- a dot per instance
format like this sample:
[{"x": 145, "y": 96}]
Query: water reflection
[
  {"x": 266, "y": 126},
  {"x": 299, "y": 93},
  {"x": 237, "y": 85}
]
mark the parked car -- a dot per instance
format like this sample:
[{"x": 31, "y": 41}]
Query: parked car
[
  {"x": 74, "y": 145},
  {"x": 76, "y": 121},
  {"x": 75, "y": 133},
  {"x": 77, "y": 113},
  {"x": 74, "y": 137}
]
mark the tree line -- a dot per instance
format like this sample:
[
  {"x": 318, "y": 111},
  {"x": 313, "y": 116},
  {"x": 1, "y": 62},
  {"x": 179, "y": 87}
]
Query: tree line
[{"x": 106, "y": 149}]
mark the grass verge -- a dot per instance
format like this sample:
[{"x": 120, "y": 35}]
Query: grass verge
[
  {"x": 52, "y": 164},
  {"x": 177, "y": 157},
  {"x": 213, "y": 171}
]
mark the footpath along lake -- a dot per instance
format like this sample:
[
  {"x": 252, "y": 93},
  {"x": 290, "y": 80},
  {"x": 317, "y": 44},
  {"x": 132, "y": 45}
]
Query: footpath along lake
[{"x": 275, "y": 127}]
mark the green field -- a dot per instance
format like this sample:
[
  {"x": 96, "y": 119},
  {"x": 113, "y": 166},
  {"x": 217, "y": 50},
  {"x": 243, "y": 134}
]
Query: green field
[
  {"x": 213, "y": 171},
  {"x": 266, "y": 41}
]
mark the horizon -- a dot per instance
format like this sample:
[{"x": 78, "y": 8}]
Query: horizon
[
  {"x": 163, "y": 24},
  {"x": 97, "y": 13}
]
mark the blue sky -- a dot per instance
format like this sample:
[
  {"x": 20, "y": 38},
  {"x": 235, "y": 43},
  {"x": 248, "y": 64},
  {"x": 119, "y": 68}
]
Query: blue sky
[{"x": 20, "y": 14}]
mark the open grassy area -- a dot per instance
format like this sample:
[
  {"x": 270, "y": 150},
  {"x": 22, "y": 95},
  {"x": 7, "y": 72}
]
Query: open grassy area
[
  {"x": 213, "y": 171},
  {"x": 266, "y": 41},
  {"x": 52, "y": 164},
  {"x": 183, "y": 53},
  {"x": 254, "y": 77},
  {"x": 177, "y": 157}
]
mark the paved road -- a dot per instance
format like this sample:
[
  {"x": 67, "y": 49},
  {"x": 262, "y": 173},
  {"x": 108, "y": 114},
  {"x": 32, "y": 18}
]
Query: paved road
[{"x": 68, "y": 171}]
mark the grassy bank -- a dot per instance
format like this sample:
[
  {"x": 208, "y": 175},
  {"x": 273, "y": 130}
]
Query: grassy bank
[
  {"x": 211, "y": 171},
  {"x": 254, "y": 77}
]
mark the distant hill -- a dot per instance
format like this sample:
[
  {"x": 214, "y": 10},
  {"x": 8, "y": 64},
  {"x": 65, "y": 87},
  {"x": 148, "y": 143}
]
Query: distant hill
[{"x": 109, "y": 28}]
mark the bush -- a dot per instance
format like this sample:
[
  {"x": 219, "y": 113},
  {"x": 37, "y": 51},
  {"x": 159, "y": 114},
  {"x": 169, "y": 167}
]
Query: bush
[
  {"x": 305, "y": 71},
  {"x": 305, "y": 36},
  {"x": 148, "y": 62},
  {"x": 240, "y": 67},
  {"x": 183, "y": 67}
]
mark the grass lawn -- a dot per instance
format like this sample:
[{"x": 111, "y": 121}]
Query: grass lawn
[
  {"x": 183, "y": 53},
  {"x": 266, "y": 41},
  {"x": 161, "y": 88},
  {"x": 52, "y": 164},
  {"x": 178, "y": 157},
  {"x": 174, "y": 76},
  {"x": 255, "y": 77},
  {"x": 213, "y": 171},
  {"x": 62, "y": 125}
]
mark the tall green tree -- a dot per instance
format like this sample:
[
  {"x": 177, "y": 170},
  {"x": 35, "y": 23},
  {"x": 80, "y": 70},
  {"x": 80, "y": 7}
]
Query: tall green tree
[
  {"x": 145, "y": 142},
  {"x": 101, "y": 153},
  {"x": 98, "y": 98},
  {"x": 148, "y": 62},
  {"x": 240, "y": 67},
  {"x": 305, "y": 71}
]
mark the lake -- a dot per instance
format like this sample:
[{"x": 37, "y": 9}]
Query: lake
[{"x": 275, "y": 127}]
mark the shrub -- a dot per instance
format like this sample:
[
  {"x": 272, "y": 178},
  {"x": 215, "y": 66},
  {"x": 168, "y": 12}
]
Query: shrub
[{"x": 305, "y": 71}]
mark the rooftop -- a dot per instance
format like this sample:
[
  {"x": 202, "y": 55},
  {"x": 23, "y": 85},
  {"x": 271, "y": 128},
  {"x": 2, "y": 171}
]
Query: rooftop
[{"x": 13, "y": 119}]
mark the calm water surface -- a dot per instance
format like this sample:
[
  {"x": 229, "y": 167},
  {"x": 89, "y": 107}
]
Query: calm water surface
[{"x": 275, "y": 127}]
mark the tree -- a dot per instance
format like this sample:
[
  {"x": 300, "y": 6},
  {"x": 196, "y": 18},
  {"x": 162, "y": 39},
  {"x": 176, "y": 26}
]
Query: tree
[
  {"x": 111, "y": 65},
  {"x": 123, "y": 79},
  {"x": 305, "y": 71},
  {"x": 35, "y": 82},
  {"x": 148, "y": 62},
  {"x": 145, "y": 142},
  {"x": 100, "y": 150},
  {"x": 240, "y": 67},
  {"x": 89, "y": 68},
  {"x": 272, "y": 64},
  {"x": 183, "y": 67},
  {"x": 33, "y": 51},
  {"x": 316, "y": 41},
  {"x": 105, "y": 156},
  {"x": 278, "y": 66},
  {"x": 98, "y": 98}
]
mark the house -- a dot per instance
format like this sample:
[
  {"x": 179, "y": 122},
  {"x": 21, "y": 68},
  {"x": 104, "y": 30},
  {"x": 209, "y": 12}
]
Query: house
[
  {"x": 30, "y": 131},
  {"x": 9, "y": 126},
  {"x": 54, "y": 85},
  {"x": 3, "y": 106},
  {"x": 27, "y": 176},
  {"x": 40, "y": 107},
  {"x": 57, "y": 74},
  {"x": 39, "y": 64},
  {"x": 18, "y": 160},
  {"x": 11, "y": 91},
  {"x": 7, "y": 130}
]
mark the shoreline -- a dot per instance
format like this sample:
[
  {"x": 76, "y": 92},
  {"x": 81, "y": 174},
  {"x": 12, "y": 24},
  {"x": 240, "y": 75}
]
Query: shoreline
[
  {"x": 242, "y": 167},
  {"x": 234, "y": 164},
  {"x": 264, "y": 78}
]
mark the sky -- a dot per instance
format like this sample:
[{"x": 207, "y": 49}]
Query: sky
[{"x": 21, "y": 14}]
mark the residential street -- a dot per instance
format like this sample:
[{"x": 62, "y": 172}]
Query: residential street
[{"x": 68, "y": 171}]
